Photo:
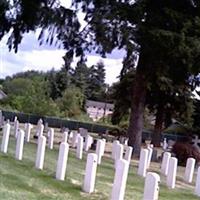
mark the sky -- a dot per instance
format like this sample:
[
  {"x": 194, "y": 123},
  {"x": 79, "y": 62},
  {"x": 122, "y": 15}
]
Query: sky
[{"x": 32, "y": 56}]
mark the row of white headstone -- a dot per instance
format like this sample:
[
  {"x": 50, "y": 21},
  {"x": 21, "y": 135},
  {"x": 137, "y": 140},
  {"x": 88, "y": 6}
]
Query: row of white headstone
[
  {"x": 121, "y": 164},
  {"x": 168, "y": 167},
  {"x": 151, "y": 187}
]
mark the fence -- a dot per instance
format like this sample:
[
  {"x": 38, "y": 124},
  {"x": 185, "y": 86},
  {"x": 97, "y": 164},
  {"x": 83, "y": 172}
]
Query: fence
[
  {"x": 56, "y": 122},
  {"x": 74, "y": 125}
]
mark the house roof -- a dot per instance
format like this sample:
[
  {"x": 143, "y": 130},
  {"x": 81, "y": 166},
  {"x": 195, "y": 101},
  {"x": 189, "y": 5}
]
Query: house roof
[
  {"x": 98, "y": 104},
  {"x": 2, "y": 94}
]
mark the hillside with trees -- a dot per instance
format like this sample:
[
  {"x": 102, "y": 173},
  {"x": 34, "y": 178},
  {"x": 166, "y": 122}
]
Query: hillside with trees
[{"x": 60, "y": 93}]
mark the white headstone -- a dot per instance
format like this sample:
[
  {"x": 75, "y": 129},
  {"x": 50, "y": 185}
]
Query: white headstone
[
  {"x": 189, "y": 170},
  {"x": 19, "y": 145},
  {"x": 62, "y": 161},
  {"x": 197, "y": 186},
  {"x": 28, "y": 132},
  {"x": 16, "y": 127},
  {"x": 119, "y": 184},
  {"x": 104, "y": 146},
  {"x": 90, "y": 173},
  {"x": 39, "y": 162},
  {"x": 113, "y": 149},
  {"x": 38, "y": 128},
  {"x": 50, "y": 138},
  {"x": 15, "y": 118},
  {"x": 119, "y": 149},
  {"x": 5, "y": 139},
  {"x": 100, "y": 150},
  {"x": 151, "y": 187},
  {"x": 1, "y": 119},
  {"x": 88, "y": 142},
  {"x": 142, "y": 168},
  {"x": 150, "y": 149},
  {"x": 79, "y": 150},
  {"x": 83, "y": 132},
  {"x": 74, "y": 139},
  {"x": 165, "y": 145},
  {"x": 46, "y": 126},
  {"x": 128, "y": 153},
  {"x": 171, "y": 174},
  {"x": 65, "y": 137},
  {"x": 165, "y": 163}
]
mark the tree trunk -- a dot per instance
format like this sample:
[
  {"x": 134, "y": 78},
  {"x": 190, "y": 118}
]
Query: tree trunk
[
  {"x": 137, "y": 111},
  {"x": 168, "y": 118},
  {"x": 156, "y": 137}
]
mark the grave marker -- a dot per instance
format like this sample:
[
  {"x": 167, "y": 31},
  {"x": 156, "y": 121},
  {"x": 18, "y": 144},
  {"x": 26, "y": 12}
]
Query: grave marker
[
  {"x": 19, "y": 145},
  {"x": 113, "y": 149},
  {"x": 5, "y": 138},
  {"x": 119, "y": 149},
  {"x": 62, "y": 161},
  {"x": 50, "y": 138},
  {"x": 1, "y": 119},
  {"x": 88, "y": 142},
  {"x": 74, "y": 139},
  {"x": 189, "y": 170},
  {"x": 150, "y": 149},
  {"x": 83, "y": 132},
  {"x": 165, "y": 145},
  {"x": 28, "y": 132},
  {"x": 128, "y": 153},
  {"x": 39, "y": 162},
  {"x": 38, "y": 128},
  {"x": 90, "y": 173},
  {"x": 171, "y": 174},
  {"x": 16, "y": 127},
  {"x": 196, "y": 141},
  {"x": 142, "y": 168},
  {"x": 79, "y": 150},
  {"x": 65, "y": 137},
  {"x": 100, "y": 150},
  {"x": 165, "y": 163},
  {"x": 119, "y": 184},
  {"x": 197, "y": 186},
  {"x": 151, "y": 187}
]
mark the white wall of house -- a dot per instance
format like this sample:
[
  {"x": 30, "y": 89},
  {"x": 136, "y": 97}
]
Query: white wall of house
[{"x": 97, "y": 110}]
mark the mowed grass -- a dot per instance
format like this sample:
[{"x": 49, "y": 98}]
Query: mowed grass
[{"x": 19, "y": 180}]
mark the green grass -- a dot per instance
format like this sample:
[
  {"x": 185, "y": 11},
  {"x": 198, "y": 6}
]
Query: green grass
[{"x": 19, "y": 180}]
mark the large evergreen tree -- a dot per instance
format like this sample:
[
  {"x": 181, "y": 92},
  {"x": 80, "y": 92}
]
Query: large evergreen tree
[
  {"x": 96, "y": 82},
  {"x": 164, "y": 33}
]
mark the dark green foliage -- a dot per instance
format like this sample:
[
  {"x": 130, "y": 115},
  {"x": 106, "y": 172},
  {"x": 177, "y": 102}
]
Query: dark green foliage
[
  {"x": 80, "y": 77},
  {"x": 71, "y": 102},
  {"x": 59, "y": 81},
  {"x": 96, "y": 83},
  {"x": 196, "y": 117},
  {"x": 122, "y": 97}
]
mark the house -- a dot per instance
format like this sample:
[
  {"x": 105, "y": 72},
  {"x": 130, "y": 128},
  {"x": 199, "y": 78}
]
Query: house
[
  {"x": 96, "y": 109},
  {"x": 2, "y": 95}
]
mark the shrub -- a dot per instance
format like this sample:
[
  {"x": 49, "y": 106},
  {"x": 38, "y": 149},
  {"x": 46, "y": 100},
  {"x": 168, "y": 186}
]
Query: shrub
[{"x": 183, "y": 151}]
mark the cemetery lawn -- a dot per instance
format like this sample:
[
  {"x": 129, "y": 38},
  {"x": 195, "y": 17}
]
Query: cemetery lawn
[{"x": 19, "y": 180}]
